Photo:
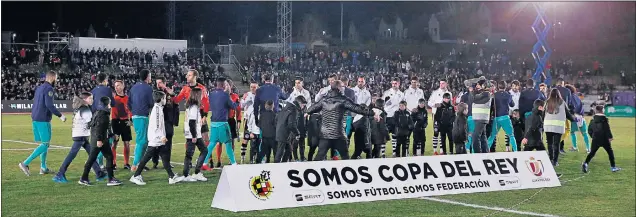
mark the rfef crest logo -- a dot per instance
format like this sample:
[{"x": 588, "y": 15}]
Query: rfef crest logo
[
  {"x": 261, "y": 186},
  {"x": 535, "y": 166}
]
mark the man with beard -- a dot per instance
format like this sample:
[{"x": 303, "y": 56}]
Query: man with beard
[
  {"x": 332, "y": 109},
  {"x": 41, "y": 113},
  {"x": 233, "y": 120},
  {"x": 170, "y": 116},
  {"x": 481, "y": 102},
  {"x": 299, "y": 90},
  {"x": 191, "y": 79},
  {"x": 435, "y": 101},
  {"x": 287, "y": 131},
  {"x": 392, "y": 99},
  {"x": 140, "y": 104},
  {"x": 360, "y": 123}
]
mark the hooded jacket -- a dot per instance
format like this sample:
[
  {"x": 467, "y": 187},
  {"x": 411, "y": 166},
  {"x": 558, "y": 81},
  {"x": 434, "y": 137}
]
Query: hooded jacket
[
  {"x": 332, "y": 108},
  {"x": 421, "y": 118},
  {"x": 445, "y": 116},
  {"x": 460, "y": 128},
  {"x": 534, "y": 128},
  {"x": 599, "y": 129},
  {"x": 380, "y": 133},
  {"x": 287, "y": 123},
  {"x": 100, "y": 126}
]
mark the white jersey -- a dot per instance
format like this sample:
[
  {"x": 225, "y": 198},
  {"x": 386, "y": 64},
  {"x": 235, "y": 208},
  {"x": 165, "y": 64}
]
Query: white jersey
[
  {"x": 323, "y": 92},
  {"x": 393, "y": 104},
  {"x": 515, "y": 99},
  {"x": 192, "y": 113},
  {"x": 295, "y": 93},
  {"x": 81, "y": 118},
  {"x": 156, "y": 126},
  {"x": 437, "y": 97},
  {"x": 363, "y": 97},
  {"x": 251, "y": 124},
  {"x": 247, "y": 103},
  {"x": 412, "y": 97}
]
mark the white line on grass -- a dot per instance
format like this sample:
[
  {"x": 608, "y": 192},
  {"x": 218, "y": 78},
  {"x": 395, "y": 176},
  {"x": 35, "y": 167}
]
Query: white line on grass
[
  {"x": 486, "y": 207},
  {"x": 66, "y": 147}
]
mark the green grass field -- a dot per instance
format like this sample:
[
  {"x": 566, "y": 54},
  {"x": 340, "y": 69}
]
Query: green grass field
[{"x": 599, "y": 193}]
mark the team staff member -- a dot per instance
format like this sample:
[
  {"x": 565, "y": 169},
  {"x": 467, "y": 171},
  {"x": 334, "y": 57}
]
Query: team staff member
[
  {"x": 481, "y": 101},
  {"x": 392, "y": 99},
  {"x": 220, "y": 104},
  {"x": 268, "y": 91},
  {"x": 434, "y": 102},
  {"x": 140, "y": 102},
  {"x": 234, "y": 120},
  {"x": 191, "y": 79},
  {"x": 41, "y": 114},
  {"x": 527, "y": 98},
  {"x": 121, "y": 116},
  {"x": 299, "y": 147},
  {"x": 170, "y": 117}
]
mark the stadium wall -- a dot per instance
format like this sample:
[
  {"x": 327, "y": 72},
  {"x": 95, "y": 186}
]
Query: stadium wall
[{"x": 145, "y": 44}]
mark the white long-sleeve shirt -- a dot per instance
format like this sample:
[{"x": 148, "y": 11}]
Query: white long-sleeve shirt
[
  {"x": 393, "y": 104},
  {"x": 412, "y": 97},
  {"x": 363, "y": 97},
  {"x": 81, "y": 118},
  {"x": 192, "y": 113},
  {"x": 295, "y": 93},
  {"x": 515, "y": 99},
  {"x": 323, "y": 92},
  {"x": 156, "y": 126},
  {"x": 247, "y": 104},
  {"x": 437, "y": 97}
]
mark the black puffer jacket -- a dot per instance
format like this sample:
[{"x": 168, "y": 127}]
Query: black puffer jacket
[
  {"x": 332, "y": 108},
  {"x": 287, "y": 123},
  {"x": 100, "y": 127},
  {"x": 460, "y": 128}
]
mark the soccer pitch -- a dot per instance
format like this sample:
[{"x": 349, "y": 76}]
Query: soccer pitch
[{"x": 599, "y": 193}]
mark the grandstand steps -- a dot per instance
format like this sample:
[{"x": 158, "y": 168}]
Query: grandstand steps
[{"x": 231, "y": 71}]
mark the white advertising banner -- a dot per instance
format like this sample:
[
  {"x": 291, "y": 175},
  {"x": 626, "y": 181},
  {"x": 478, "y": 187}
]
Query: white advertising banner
[{"x": 272, "y": 186}]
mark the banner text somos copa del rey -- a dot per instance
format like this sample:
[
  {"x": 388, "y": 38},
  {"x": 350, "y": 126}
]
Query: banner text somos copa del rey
[{"x": 272, "y": 186}]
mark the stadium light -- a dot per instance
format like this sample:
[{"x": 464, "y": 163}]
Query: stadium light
[
  {"x": 116, "y": 35},
  {"x": 323, "y": 32}
]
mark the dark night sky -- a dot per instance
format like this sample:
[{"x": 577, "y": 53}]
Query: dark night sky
[
  {"x": 220, "y": 20},
  {"x": 217, "y": 20}
]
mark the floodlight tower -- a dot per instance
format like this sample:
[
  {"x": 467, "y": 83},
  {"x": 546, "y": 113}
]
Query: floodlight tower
[
  {"x": 284, "y": 28},
  {"x": 170, "y": 15},
  {"x": 541, "y": 27}
]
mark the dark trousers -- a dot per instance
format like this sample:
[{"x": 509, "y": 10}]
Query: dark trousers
[
  {"x": 489, "y": 129},
  {"x": 92, "y": 157},
  {"x": 313, "y": 146},
  {"x": 267, "y": 146},
  {"x": 187, "y": 162},
  {"x": 480, "y": 145},
  {"x": 255, "y": 145},
  {"x": 163, "y": 151},
  {"x": 530, "y": 147},
  {"x": 601, "y": 144},
  {"x": 554, "y": 140},
  {"x": 460, "y": 147},
  {"x": 362, "y": 143},
  {"x": 446, "y": 134},
  {"x": 402, "y": 146},
  {"x": 169, "y": 135},
  {"x": 299, "y": 145},
  {"x": 334, "y": 144},
  {"x": 377, "y": 150},
  {"x": 283, "y": 152},
  {"x": 78, "y": 143},
  {"x": 419, "y": 142}
]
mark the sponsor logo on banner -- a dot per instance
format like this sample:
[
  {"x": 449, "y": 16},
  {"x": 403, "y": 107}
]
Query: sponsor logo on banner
[
  {"x": 309, "y": 197},
  {"x": 25, "y": 106},
  {"x": 336, "y": 182},
  {"x": 261, "y": 186}
]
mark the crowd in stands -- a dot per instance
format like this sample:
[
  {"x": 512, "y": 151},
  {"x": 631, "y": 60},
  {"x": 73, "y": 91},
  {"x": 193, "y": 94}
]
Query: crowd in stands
[{"x": 78, "y": 68}]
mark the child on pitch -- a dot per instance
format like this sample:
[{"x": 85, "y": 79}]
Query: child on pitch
[
  {"x": 444, "y": 117},
  {"x": 157, "y": 141},
  {"x": 267, "y": 124},
  {"x": 420, "y": 117},
  {"x": 532, "y": 138},
  {"x": 403, "y": 128},
  {"x": 602, "y": 137},
  {"x": 380, "y": 134},
  {"x": 460, "y": 128},
  {"x": 100, "y": 130},
  {"x": 518, "y": 127},
  {"x": 194, "y": 137},
  {"x": 80, "y": 132}
]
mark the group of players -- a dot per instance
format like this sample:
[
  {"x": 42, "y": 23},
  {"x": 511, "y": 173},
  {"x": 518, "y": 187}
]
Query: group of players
[{"x": 470, "y": 122}]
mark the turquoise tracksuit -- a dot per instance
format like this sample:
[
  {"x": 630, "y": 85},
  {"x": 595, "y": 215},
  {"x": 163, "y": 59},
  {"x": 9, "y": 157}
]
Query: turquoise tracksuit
[
  {"x": 505, "y": 123},
  {"x": 140, "y": 123},
  {"x": 583, "y": 129},
  {"x": 471, "y": 129}
]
